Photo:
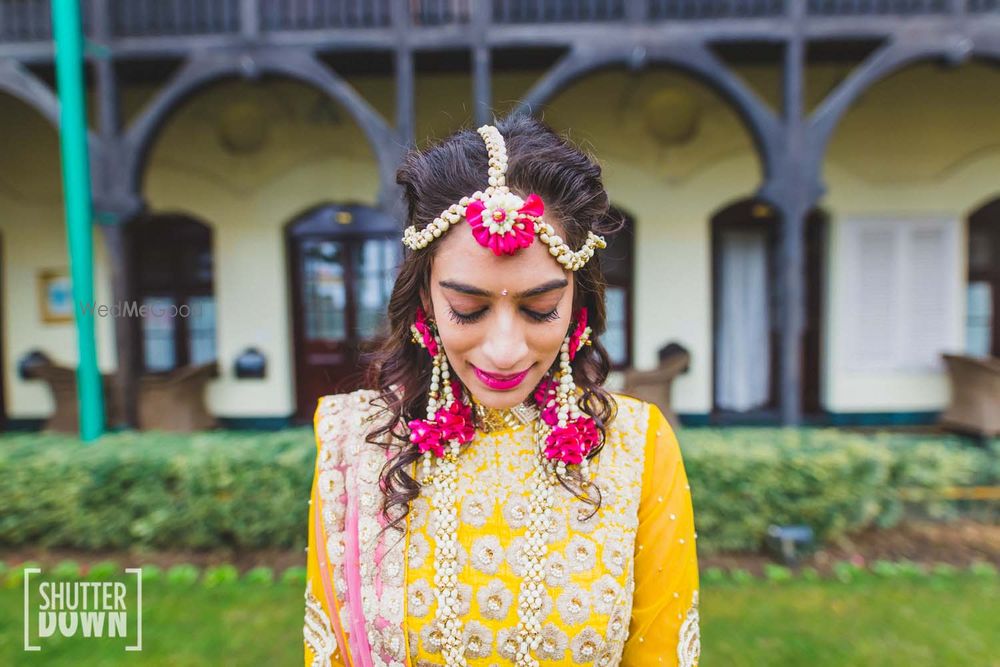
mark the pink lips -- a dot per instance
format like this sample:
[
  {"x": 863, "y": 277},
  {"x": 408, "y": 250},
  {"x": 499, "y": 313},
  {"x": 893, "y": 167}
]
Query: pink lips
[{"x": 500, "y": 382}]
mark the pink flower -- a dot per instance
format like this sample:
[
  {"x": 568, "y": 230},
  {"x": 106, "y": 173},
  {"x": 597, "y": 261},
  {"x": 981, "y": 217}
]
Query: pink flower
[
  {"x": 572, "y": 443},
  {"x": 575, "y": 338},
  {"x": 447, "y": 424},
  {"x": 424, "y": 331},
  {"x": 545, "y": 398},
  {"x": 455, "y": 422},
  {"x": 427, "y": 436},
  {"x": 508, "y": 223}
]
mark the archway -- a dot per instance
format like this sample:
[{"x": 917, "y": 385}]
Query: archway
[
  {"x": 342, "y": 263},
  {"x": 689, "y": 57},
  {"x": 202, "y": 71},
  {"x": 745, "y": 311}
]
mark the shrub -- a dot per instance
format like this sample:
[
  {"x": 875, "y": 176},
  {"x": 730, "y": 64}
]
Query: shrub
[
  {"x": 247, "y": 490},
  {"x": 182, "y": 575},
  {"x": 295, "y": 576},
  {"x": 260, "y": 575},
  {"x": 219, "y": 575}
]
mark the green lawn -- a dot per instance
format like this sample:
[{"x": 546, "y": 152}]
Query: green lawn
[{"x": 871, "y": 622}]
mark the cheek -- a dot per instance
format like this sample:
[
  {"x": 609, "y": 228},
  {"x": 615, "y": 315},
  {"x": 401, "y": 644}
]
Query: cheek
[
  {"x": 456, "y": 338},
  {"x": 546, "y": 339}
]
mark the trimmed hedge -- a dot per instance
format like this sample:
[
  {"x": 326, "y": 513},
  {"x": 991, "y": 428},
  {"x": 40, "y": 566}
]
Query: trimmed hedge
[
  {"x": 208, "y": 490},
  {"x": 744, "y": 479},
  {"x": 249, "y": 490}
]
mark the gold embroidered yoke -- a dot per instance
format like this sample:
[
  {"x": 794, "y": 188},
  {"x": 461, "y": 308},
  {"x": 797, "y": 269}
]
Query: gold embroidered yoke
[{"x": 621, "y": 586}]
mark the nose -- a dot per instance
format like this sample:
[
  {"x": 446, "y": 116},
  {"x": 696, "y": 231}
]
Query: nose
[{"x": 505, "y": 346}]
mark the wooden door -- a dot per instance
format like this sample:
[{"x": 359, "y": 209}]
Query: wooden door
[{"x": 341, "y": 281}]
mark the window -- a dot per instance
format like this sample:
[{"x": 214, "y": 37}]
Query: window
[
  {"x": 899, "y": 293},
  {"x": 982, "y": 335},
  {"x": 172, "y": 260},
  {"x": 618, "y": 267}
]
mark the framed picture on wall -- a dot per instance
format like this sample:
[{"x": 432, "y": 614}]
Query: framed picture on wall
[{"x": 55, "y": 296}]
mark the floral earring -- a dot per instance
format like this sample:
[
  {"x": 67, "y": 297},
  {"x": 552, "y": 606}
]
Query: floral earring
[
  {"x": 574, "y": 433},
  {"x": 449, "y": 420}
]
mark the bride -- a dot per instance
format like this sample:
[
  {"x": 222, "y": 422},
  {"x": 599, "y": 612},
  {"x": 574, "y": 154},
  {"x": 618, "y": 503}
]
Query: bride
[{"x": 488, "y": 502}]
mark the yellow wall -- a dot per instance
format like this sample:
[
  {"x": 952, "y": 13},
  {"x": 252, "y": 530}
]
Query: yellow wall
[{"x": 924, "y": 140}]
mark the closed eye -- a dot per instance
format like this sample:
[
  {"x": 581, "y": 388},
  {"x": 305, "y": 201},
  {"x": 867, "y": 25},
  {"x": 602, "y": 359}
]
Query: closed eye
[{"x": 475, "y": 316}]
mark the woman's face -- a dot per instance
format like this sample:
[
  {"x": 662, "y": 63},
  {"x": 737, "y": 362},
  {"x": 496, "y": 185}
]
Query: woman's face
[{"x": 501, "y": 319}]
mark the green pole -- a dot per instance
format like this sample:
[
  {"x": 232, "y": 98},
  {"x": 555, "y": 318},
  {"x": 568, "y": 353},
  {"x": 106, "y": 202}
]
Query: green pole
[{"x": 76, "y": 195}]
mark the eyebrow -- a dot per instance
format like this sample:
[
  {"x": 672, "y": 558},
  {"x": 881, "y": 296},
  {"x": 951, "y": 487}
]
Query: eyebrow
[{"x": 558, "y": 283}]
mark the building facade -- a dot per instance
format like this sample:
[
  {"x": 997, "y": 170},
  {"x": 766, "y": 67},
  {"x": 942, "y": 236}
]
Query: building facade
[{"x": 811, "y": 187}]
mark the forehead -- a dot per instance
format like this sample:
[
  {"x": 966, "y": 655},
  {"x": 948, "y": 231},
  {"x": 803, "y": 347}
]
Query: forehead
[{"x": 460, "y": 257}]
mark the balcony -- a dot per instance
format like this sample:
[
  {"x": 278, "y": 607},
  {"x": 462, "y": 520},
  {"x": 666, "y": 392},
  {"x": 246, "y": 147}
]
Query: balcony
[{"x": 135, "y": 25}]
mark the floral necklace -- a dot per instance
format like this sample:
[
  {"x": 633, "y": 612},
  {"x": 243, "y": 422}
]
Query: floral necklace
[{"x": 562, "y": 434}]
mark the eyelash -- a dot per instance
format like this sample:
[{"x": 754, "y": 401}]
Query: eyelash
[{"x": 462, "y": 318}]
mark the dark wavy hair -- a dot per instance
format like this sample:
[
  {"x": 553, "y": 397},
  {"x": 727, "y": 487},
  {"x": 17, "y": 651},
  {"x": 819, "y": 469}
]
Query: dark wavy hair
[{"x": 569, "y": 182}]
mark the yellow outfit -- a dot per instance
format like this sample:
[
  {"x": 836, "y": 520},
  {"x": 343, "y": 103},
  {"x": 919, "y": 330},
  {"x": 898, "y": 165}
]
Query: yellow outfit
[{"x": 622, "y": 585}]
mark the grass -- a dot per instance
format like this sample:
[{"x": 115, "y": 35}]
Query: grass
[{"x": 935, "y": 620}]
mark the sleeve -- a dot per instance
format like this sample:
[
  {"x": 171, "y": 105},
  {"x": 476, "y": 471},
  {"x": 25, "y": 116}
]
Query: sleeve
[
  {"x": 321, "y": 649},
  {"x": 664, "y": 626}
]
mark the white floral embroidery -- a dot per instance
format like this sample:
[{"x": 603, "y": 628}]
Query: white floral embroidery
[
  {"x": 391, "y": 603},
  {"x": 554, "y": 643},
  {"x": 557, "y": 529},
  {"x": 586, "y": 645},
  {"x": 476, "y": 508},
  {"x": 464, "y": 599},
  {"x": 418, "y": 513},
  {"x": 393, "y": 643},
  {"x": 515, "y": 556},
  {"x": 367, "y": 530},
  {"x": 515, "y": 511},
  {"x": 614, "y": 557},
  {"x": 418, "y": 550},
  {"x": 507, "y": 643},
  {"x": 608, "y": 657},
  {"x": 339, "y": 584},
  {"x": 689, "y": 641},
  {"x": 556, "y": 572},
  {"x": 368, "y": 500},
  {"x": 335, "y": 549},
  {"x": 574, "y": 605},
  {"x": 419, "y": 598},
  {"x": 487, "y": 554},
  {"x": 478, "y": 640},
  {"x": 331, "y": 484},
  {"x": 317, "y": 631},
  {"x": 494, "y": 600},
  {"x": 430, "y": 638},
  {"x": 605, "y": 594},
  {"x": 392, "y": 567},
  {"x": 581, "y": 554},
  {"x": 578, "y": 517}
]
